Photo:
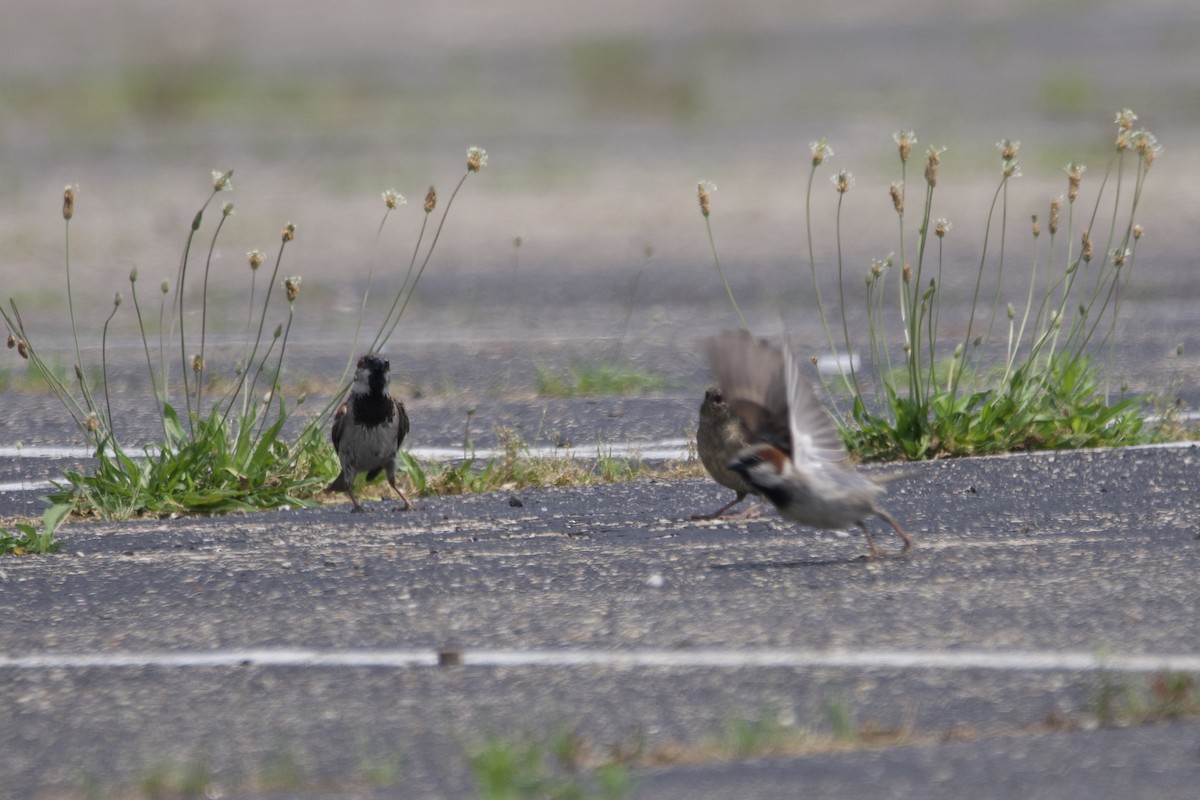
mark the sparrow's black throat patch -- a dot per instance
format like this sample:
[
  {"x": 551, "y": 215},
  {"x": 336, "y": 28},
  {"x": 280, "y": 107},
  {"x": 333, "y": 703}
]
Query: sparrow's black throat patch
[{"x": 373, "y": 409}]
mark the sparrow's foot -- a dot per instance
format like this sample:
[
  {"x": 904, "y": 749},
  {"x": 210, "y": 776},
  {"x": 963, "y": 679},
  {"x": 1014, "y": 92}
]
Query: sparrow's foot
[
  {"x": 407, "y": 506},
  {"x": 908, "y": 542},
  {"x": 721, "y": 511},
  {"x": 875, "y": 551},
  {"x": 902, "y": 553},
  {"x": 749, "y": 513}
]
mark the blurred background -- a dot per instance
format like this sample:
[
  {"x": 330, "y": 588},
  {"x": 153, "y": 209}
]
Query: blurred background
[{"x": 599, "y": 119}]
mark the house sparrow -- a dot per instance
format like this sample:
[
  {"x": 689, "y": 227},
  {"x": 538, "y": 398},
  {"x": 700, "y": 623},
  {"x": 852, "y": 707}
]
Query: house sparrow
[
  {"x": 795, "y": 458},
  {"x": 719, "y": 438},
  {"x": 368, "y": 429}
]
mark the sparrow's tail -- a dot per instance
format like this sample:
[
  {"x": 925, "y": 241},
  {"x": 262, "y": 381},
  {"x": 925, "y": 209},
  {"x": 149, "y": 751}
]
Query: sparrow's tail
[{"x": 339, "y": 483}]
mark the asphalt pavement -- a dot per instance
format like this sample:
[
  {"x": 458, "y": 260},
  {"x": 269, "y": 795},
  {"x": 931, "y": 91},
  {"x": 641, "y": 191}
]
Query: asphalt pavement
[{"x": 317, "y": 653}]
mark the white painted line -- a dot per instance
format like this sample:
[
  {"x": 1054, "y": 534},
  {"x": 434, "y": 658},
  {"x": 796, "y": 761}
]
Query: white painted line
[
  {"x": 45, "y": 451},
  {"x": 25, "y": 486},
  {"x": 223, "y": 658},
  {"x": 699, "y": 658}
]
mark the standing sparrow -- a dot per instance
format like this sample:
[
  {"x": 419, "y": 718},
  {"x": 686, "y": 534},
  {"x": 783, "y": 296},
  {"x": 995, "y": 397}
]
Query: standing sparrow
[
  {"x": 368, "y": 429},
  {"x": 796, "y": 457},
  {"x": 719, "y": 438}
]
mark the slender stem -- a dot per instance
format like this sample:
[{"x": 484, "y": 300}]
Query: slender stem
[
  {"x": 179, "y": 281},
  {"x": 916, "y": 391},
  {"x": 362, "y": 309},
  {"x": 812, "y": 263},
  {"x": 437, "y": 233},
  {"x": 1114, "y": 287},
  {"x": 900, "y": 284},
  {"x": 876, "y": 361},
  {"x": 71, "y": 302},
  {"x": 1010, "y": 352},
  {"x": 64, "y": 395},
  {"x": 104, "y": 368},
  {"x": 204, "y": 313},
  {"x": 248, "y": 397},
  {"x": 257, "y": 339},
  {"x": 182, "y": 343},
  {"x": 84, "y": 389},
  {"x": 853, "y": 385},
  {"x": 929, "y": 322},
  {"x": 149, "y": 364},
  {"x": 728, "y": 291},
  {"x": 935, "y": 316},
  {"x": 1051, "y": 285},
  {"x": 279, "y": 363},
  {"x": 978, "y": 280},
  {"x": 162, "y": 352},
  {"x": 1000, "y": 266},
  {"x": 1117, "y": 162},
  {"x": 250, "y": 305},
  {"x": 412, "y": 263},
  {"x": 629, "y": 304},
  {"x": 1025, "y": 316}
]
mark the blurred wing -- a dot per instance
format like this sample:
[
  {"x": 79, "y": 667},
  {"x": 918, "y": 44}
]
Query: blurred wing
[
  {"x": 750, "y": 374},
  {"x": 814, "y": 436}
]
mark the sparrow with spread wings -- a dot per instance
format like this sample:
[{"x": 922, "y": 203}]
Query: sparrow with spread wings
[{"x": 795, "y": 459}]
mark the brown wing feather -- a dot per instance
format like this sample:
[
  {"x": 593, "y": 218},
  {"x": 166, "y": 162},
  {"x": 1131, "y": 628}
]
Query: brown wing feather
[
  {"x": 339, "y": 420},
  {"x": 402, "y": 418},
  {"x": 751, "y": 375}
]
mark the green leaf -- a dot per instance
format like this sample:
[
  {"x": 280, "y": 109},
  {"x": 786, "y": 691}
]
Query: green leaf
[{"x": 54, "y": 516}]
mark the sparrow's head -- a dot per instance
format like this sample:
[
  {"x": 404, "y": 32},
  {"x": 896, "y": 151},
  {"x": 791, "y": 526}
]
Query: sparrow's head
[
  {"x": 372, "y": 375},
  {"x": 762, "y": 466},
  {"x": 713, "y": 404}
]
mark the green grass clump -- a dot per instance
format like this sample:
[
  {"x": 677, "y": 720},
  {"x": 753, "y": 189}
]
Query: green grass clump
[
  {"x": 164, "y": 780},
  {"x": 231, "y": 449},
  {"x": 517, "y": 467},
  {"x": 756, "y": 736},
  {"x": 1064, "y": 406},
  {"x": 1023, "y": 373},
  {"x": 507, "y": 768},
  {"x": 28, "y": 539},
  {"x": 1167, "y": 695}
]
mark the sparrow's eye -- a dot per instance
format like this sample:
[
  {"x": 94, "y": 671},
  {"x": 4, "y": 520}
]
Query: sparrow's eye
[{"x": 387, "y": 365}]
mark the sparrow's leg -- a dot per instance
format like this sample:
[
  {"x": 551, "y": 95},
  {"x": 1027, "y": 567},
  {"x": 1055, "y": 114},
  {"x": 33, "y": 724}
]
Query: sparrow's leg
[
  {"x": 875, "y": 551},
  {"x": 391, "y": 477},
  {"x": 886, "y": 517},
  {"x": 357, "y": 506},
  {"x": 407, "y": 505},
  {"x": 345, "y": 483},
  {"x": 740, "y": 497}
]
